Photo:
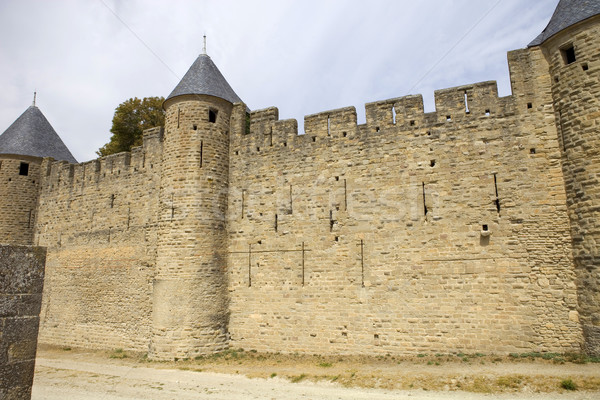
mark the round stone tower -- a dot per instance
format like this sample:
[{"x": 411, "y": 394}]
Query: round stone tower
[
  {"x": 570, "y": 44},
  {"x": 22, "y": 148},
  {"x": 190, "y": 302}
]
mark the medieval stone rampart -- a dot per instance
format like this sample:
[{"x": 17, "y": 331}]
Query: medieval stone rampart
[
  {"x": 99, "y": 222},
  {"x": 470, "y": 228}
]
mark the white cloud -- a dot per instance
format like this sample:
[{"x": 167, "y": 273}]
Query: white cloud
[{"x": 301, "y": 56}]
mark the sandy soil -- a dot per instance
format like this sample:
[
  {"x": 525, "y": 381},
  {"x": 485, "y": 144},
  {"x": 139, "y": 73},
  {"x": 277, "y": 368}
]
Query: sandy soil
[{"x": 92, "y": 375}]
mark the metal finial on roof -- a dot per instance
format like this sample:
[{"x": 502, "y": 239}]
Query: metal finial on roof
[
  {"x": 204, "y": 48},
  {"x": 34, "y": 95}
]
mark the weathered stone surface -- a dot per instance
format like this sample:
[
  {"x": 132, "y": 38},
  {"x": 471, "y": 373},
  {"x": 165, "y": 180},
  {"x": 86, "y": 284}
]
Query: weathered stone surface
[
  {"x": 21, "y": 283},
  {"x": 470, "y": 228}
]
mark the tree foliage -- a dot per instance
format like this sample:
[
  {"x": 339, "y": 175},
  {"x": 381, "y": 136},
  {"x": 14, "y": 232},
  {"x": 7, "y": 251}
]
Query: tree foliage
[{"x": 131, "y": 118}]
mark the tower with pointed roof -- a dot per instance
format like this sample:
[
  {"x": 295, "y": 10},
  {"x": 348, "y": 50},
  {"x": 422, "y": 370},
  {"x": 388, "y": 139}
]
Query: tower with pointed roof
[
  {"x": 190, "y": 291},
  {"x": 570, "y": 45},
  {"x": 23, "y": 146}
]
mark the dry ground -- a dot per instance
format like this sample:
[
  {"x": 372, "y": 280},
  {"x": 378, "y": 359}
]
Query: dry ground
[{"x": 63, "y": 373}]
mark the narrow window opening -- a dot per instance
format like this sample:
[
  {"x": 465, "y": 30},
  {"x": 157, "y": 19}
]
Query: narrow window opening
[
  {"x": 247, "y": 124},
  {"x": 314, "y": 138},
  {"x": 24, "y": 169},
  {"x": 556, "y": 79},
  {"x": 376, "y": 129},
  {"x": 376, "y": 336},
  {"x": 291, "y": 201},
  {"x": 466, "y": 103},
  {"x": 362, "y": 262},
  {"x": 275, "y": 222},
  {"x": 237, "y": 153},
  {"x": 201, "y": 152},
  {"x": 112, "y": 200},
  {"x": 412, "y": 122},
  {"x": 178, "y": 116},
  {"x": 568, "y": 54},
  {"x": 432, "y": 163},
  {"x": 497, "y": 197},
  {"x": 424, "y": 203},
  {"x": 448, "y": 118},
  {"x": 487, "y": 113},
  {"x": 394, "y": 115},
  {"x": 584, "y": 67},
  {"x": 529, "y": 105},
  {"x": 258, "y": 149},
  {"x": 284, "y": 144},
  {"x": 345, "y": 195},
  {"x": 344, "y": 134},
  {"x": 328, "y": 126},
  {"x": 29, "y": 219},
  {"x": 212, "y": 116},
  {"x": 331, "y": 221},
  {"x": 532, "y": 151},
  {"x": 243, "y": 199},
  {"x": 195, "y": 127},
  {"x": 337, "y": 178},
  {"x": 484, "y": 228},
  {"x": 337, "y": 238},
  {"x": 0, "y": 164}
]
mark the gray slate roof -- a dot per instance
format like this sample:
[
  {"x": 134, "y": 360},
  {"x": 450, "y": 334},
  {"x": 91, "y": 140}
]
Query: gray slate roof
[
  {"x": 567, "y": 13},
  {"x": 204, "y": 77},
  {"x": 32, "y": 135}
]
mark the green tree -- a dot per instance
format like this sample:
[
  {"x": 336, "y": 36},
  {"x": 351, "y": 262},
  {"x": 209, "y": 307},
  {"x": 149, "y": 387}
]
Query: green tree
[{"x": 131, "y": 118}]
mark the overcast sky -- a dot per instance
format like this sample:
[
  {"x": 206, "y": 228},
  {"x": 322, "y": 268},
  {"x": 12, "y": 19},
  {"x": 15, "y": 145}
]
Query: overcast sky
[{"x": 85, "y": 57}]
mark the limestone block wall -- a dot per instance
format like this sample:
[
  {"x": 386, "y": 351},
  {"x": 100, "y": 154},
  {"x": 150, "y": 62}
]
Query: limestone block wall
[
  {"x": 190, "y": 314},
  {"x": 416, "y": 232},
  {"x": 575, "y": 74},
  {"x": 99, "y": 222},
  {"x": 21, "y": 282},
  {"x": 19, "y": 187}
]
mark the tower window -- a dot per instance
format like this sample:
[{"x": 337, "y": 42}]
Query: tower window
[
  {"x": 212, "y": 116},
  {"x": 24, "y": 169},
  {"x": 568, "y": 54}
]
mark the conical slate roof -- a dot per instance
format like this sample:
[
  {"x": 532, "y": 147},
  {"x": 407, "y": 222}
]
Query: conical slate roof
[
  {"x": 204, "y": 77},
  {"x": 567, "y": 13},
  {"x": 32, "y": 135}
]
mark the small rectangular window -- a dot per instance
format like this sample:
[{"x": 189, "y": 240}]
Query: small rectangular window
[
  {"x": 212, "y": 116},
  {"x": 568, "y": 54},
  {"x": 24, "y": 169}
]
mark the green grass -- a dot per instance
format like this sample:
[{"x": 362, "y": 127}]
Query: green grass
[
  {"x": 568, "y": 384},
  {"x": 297, "y": 378},
  {"x": 118, "y": 353}
]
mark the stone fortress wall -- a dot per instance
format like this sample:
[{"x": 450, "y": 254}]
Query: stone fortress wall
[
  {"x": 473, "y": 228},
  {"x": 443, "y": 231},
  {"x": 99, "y": 222},
  {"x": 414, "y": 232}
]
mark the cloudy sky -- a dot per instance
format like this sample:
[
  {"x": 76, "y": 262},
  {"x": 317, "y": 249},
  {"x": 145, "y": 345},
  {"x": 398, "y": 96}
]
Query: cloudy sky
[{"x": 85, "y": 57}]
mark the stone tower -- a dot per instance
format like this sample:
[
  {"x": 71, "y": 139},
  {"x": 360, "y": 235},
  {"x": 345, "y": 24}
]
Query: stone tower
[
  {"x": 570, "y": 44},
  {"x": 22, "y": 148},
  {"x": 190, "y": 306}
]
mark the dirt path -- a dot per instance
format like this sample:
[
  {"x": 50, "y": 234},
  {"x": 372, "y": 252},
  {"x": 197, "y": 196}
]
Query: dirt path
[{"x": 94, "y": 376}]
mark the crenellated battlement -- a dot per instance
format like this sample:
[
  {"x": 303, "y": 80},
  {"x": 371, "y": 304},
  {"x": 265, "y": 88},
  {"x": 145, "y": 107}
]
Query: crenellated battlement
[
  {"x": 465, "y": 104},
  {"x": 140, "y": 160}
]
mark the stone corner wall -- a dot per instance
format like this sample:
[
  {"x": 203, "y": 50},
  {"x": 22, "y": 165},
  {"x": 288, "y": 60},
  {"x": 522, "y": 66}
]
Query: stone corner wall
[{"x": 21, "y": 282}]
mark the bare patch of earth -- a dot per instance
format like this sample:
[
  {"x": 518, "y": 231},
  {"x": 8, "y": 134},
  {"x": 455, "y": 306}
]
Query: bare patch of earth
[{"x": 63, "y": 373}]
